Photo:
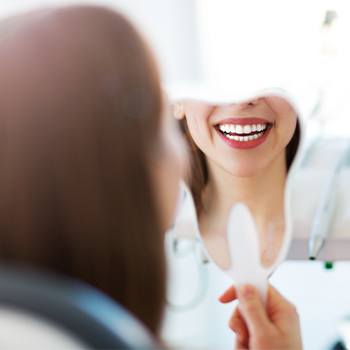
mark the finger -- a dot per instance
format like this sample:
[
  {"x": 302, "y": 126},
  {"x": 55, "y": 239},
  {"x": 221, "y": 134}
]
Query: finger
[
  {"x": 237, "y": 322},
  {"x": 241, "y": 343},
  {"x": 253, "y": 310},
  {"x": 178, "y": 110},
  {"x": 238, "y": 325},
  {"x": 278, "y": 306},
  {"x": 276, "y": 299},
  {"x": 229, "y": 295}
]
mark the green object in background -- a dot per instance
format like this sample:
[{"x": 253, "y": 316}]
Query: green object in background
[{"x": 328, "y": 265}]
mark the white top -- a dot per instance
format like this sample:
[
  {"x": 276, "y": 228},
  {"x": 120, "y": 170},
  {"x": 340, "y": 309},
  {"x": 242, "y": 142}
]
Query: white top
[{"x": 310, "y": 181}]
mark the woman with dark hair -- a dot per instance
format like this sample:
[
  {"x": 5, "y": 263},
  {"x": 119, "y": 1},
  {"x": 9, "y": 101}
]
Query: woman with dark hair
[
  {"x": 240, "y": 152},
  {"x": 90, "y": 162},
  {"x": 89, "y": 170}
]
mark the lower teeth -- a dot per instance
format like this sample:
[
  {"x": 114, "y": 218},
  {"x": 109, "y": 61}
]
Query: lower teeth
[{"x": 244, "y": 138}]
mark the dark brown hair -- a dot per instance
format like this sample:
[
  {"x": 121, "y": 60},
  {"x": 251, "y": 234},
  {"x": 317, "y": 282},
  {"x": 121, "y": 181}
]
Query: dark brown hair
[
  {"x": 198, "y": 174},
  {"x": 80, "y": 106}
]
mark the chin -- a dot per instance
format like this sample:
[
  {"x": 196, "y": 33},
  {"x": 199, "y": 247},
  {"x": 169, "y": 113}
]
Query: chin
[{"x": 244, "y": 170}]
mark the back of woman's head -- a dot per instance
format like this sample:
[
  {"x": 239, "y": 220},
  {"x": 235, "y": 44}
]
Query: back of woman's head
[{"x": 80, "y": 107}]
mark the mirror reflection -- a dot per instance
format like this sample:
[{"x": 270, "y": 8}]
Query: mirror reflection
[{"x": 240, "y": 152}]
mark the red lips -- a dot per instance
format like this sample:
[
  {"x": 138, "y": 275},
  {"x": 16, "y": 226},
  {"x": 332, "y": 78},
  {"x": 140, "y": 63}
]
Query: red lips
[{"x": 262, "y": 135}]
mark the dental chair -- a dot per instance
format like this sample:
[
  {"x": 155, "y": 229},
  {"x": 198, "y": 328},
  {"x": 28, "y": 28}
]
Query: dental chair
[{"x": 39, "y": 310}]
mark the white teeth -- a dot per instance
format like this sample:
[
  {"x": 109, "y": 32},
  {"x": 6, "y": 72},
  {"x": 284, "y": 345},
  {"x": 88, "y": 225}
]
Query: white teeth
[
  {"x": 244, "y": 138},
  {"x": 224, "y": 127},
  {"x": 260, "y": 127},
  {"x": 242, "y": 129},
  {"x": 241, "y": 133},
  {"x": 233, "y": 137},
  {"x": 239, "y": 129},
  {"x": 247, "y": 129}
]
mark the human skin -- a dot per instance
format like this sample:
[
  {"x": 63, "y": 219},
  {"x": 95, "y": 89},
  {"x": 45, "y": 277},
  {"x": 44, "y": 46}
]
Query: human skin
[{"x": 253, "y": 172}]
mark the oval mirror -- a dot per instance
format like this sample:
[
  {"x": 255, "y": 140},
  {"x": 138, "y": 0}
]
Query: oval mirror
[{"x": 241, "y": 152}]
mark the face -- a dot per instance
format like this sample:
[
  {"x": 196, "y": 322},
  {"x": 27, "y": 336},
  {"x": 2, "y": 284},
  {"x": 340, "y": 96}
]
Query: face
[
  {"x": 248, "y": 141},
  {"x": 170, "y": 166},
  {"x": 242, "y": 138}
]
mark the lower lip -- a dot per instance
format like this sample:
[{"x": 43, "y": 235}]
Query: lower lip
[{"x": 245, "y": 144}]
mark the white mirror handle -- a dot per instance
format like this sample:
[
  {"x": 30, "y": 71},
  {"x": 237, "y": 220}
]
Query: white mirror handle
[{"x": 243, "y": 242}]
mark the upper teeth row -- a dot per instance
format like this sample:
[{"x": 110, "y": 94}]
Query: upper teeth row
[{"x": 242, "y": 129}]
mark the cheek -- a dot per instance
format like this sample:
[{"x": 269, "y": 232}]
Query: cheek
[
  {"x": 197, "y": 116},
  {"x": 199, "y": 131},
  {"x": 286, "y": 130}
]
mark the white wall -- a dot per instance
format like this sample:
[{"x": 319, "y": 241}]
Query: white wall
[{"x": 170, "y": 27}]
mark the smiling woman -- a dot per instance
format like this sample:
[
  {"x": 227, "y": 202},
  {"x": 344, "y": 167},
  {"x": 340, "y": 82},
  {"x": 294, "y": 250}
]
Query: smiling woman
[
  {"x": 241, "y": 152},
  {"x": 267, "y": 122}
]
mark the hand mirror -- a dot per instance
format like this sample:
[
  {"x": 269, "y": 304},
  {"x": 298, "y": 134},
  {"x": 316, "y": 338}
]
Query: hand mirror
[{"x": 242, "y": 152}]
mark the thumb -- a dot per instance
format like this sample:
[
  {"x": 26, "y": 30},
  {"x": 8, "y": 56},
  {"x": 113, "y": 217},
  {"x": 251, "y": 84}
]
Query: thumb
[{"x": 253, "y": 310}]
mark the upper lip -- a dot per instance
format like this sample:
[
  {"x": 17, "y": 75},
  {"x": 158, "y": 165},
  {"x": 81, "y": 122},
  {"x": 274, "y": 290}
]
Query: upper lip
[{"x": 243, "y": 121}]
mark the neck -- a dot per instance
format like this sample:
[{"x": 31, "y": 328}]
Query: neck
[{"x": 263, "y": 193}]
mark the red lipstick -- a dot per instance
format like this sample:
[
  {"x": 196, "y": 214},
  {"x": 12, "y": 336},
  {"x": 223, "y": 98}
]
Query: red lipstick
[{"x": 233, "y": 133}]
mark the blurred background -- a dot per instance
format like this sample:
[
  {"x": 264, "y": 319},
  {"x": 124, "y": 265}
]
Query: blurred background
[{"x": 300, "y": 45}]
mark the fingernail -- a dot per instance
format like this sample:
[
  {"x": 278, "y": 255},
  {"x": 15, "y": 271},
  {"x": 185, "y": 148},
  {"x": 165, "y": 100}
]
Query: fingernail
[
  {"x": 221, "y": 298},
  {"x": 247, "y": 291}
]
